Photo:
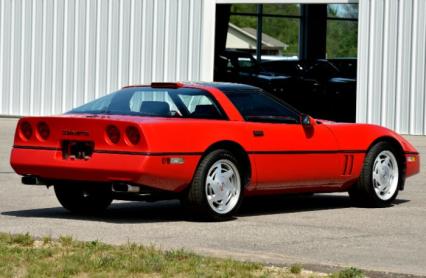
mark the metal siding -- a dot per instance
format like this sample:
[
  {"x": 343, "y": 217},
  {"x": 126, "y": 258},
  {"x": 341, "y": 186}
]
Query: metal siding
[
  {"x": 392, "y": 64},
  {"x": 37, "y": 57},
  {"x": 148, "y": 38},
  {"x": 376, "y": 61},
  {"x": 57, "y": 54},
  {"x": 183, "y": 35},
  {"x": 91, "y": 48},
  {"x": 102, "y": 49},
  {"x": 79, "y": 65},
  {"x": 197, "y": 30},
  {"x": 5, "y": 48},
  {"x": 363, "y": 65},
  {"x": 58, "y": 57},
  {"x": 418, "y": 70},
  {"x": 124, "y": 63},
  {"x": 69, "y": 56},
  {"x": 170, "y": 61},
  {"x": 405, "y": 56},
  {"x": 135, "y": 43},
  {"x": 16, "y": 56},
  {"x": 113, "y": 44},
  {"x": 46, "y": 85},
  {"x": 26, "y": 59},
  {"x": 158, "y": 47}
]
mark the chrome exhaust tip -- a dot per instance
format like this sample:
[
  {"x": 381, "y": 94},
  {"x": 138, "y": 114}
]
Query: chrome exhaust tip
[
  {"x": 124, "y": 187},
  {"x": 31, "y": 180}
]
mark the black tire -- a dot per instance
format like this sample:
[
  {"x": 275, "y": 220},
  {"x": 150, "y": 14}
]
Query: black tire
[
  {"x": 84, "y": 198},
  {"x": 363, "y": 193},
  {"x": 196, "y": 199}
]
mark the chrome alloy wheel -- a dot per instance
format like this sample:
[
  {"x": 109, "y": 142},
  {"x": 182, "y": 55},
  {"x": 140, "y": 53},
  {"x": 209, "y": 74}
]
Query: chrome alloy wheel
[
  {"x": 385, "y": 175},
  {"x": 223, "y": 186}
]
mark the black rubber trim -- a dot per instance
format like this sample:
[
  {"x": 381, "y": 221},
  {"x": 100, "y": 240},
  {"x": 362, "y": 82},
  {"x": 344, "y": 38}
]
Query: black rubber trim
[
  {"x": 37, "y": 148},
  {"x": 148, "y": 153},
  {"x": 201, "y": 153},
  {"x": 415, "y": 153}
]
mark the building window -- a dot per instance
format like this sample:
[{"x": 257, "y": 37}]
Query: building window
[
  {"x": 342, "y": 31},
  {"x": 280, "y": 29}
]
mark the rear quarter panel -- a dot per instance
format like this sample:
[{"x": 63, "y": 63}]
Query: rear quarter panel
[
  {"x": 190, "y": 138},
  {"x": 193, "y": 135}
]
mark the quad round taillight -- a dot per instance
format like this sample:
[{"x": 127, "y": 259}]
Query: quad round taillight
[
  {"x": 113, "y": 133},
  {"x": 26, "y": 130},
  {"x": 43, "y": 130},
  {"x": 133, "y": 135}
]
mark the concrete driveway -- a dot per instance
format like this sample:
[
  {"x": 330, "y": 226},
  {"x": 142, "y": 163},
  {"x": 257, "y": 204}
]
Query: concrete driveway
[{"x": 319, "y": 230}]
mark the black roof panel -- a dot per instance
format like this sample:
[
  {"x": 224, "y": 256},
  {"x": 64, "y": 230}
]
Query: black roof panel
[{"x": 228, "y": 87}]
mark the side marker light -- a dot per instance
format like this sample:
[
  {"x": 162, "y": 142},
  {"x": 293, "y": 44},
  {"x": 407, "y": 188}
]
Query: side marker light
[
  {"x": 173, "y": 160},
  {"x": 411, "y": 158}
]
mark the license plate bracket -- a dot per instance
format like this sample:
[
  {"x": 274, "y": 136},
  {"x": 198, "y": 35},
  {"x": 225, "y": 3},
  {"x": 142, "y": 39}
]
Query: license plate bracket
[{"x": 81, "y": 150}]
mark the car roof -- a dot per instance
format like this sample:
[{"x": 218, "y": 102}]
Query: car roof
[
  {"x": 228, "y": 87},
  {"x": 225, "y": 87}
]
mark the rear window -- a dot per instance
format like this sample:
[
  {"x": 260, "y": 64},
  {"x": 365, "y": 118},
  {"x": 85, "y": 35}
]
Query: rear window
[{"x": 155, "y": 102}]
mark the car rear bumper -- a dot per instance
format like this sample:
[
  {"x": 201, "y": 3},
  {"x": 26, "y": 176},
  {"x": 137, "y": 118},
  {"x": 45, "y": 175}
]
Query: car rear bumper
[{"x": 148, "y": 170}]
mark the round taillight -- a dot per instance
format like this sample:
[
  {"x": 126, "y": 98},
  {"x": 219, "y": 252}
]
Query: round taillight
[
  {"x": 133, "y": 135},
  {"x": 113, "y": 133},
  {"x": 43, "y": 130},
  {"x": 26, "y": 130}
]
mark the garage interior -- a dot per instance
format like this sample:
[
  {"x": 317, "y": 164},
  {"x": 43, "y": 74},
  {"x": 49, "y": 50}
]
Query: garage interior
[{"x": 305, "y": 54}]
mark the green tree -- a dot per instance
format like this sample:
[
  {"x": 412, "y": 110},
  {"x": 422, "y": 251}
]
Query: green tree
[
  {"x": 341, "y": 35},
  {"x": 285, "y": 30}
]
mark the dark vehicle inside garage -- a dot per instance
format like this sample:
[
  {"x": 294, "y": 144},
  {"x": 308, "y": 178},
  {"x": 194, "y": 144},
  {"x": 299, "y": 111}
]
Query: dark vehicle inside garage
[{"x": 304, "y": 54}]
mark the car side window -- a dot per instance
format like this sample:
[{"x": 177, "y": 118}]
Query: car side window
[
  {"x": 256, "y": 106},
  {"x": 201, "y": 107},
  {"x": 100, "y": 104},
  {"x": 191, "y": 101},
  {"x": 137, "y": 100}
]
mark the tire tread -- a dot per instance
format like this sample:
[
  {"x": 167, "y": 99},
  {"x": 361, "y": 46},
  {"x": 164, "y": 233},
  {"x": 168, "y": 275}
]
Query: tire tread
[
  {"x": 362, "y": 193},
  {"x": 196, "y": 201}
]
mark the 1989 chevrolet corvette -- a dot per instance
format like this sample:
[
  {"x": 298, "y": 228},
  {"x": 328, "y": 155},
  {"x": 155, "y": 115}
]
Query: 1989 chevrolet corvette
[{"x": 208, "y": 144}]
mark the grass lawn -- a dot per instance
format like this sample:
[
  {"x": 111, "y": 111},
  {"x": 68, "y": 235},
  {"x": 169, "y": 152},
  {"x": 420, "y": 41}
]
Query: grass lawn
[{"x": 24, "y": 256}]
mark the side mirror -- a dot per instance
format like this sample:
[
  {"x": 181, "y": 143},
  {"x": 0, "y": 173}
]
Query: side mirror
[{"x": 306, "y": 120}]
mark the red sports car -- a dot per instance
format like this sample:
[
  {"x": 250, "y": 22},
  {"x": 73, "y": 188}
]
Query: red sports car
[{"x": 208, "y": 144}]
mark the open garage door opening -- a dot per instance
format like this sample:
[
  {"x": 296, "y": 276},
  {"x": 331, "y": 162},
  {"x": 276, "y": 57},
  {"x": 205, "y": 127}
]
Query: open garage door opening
[{"x": 304, "y": 54}]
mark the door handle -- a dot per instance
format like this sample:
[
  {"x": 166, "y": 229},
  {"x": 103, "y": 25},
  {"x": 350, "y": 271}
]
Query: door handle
[{"x": 258, "y": 133}]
